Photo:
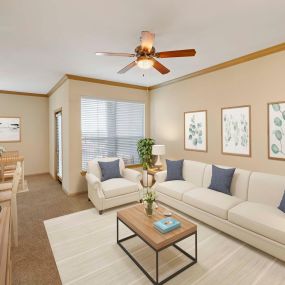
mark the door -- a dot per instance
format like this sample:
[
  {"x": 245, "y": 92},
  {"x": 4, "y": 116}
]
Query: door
[{"x": 58, "y": 145}]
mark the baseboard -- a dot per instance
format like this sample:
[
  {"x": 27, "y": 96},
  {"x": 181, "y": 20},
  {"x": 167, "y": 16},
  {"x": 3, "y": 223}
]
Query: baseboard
[{"x": 72, "y": 194}]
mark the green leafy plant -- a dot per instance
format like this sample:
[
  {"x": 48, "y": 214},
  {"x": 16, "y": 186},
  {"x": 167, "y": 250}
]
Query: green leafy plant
[{"x": 144, "y": 148}]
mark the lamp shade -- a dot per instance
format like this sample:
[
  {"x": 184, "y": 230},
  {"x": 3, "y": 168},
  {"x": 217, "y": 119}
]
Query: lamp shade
[{"x": 158, "y": 149}]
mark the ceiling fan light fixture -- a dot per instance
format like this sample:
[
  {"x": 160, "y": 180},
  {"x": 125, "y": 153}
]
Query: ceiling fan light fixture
[{"x": 145, "y": 63}]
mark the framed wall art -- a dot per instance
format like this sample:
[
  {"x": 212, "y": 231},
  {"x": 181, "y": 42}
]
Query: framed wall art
[
  {"x": 10, "y": 129},
  {"x": 276, "y": 130},
  {"x": 195, "y": 131},
  {"x": 236, "y": 131}
]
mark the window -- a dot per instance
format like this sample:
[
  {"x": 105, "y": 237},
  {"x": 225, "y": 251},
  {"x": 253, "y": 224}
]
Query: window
[
  {"x": 58, "y": 135},
  {"x": 111, "y": 129}
]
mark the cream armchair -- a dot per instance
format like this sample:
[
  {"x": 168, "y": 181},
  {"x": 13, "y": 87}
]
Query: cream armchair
[{"x": 115, "y": 191}]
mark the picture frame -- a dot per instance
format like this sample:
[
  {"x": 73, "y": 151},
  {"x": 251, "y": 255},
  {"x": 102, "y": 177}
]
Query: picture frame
[
  {"x": 236, "y": 130},
  {"x": 10, "y": 129},
  {"x": 275, "y": 130},
  {"x": 195, "y": 131}
]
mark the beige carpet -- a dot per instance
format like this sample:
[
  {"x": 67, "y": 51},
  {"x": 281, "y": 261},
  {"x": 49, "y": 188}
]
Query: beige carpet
[
  {"x": 85, "y": 252},
  {"x": 32, "y": 261}
]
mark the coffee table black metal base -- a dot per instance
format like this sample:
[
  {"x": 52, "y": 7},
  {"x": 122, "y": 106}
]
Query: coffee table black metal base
[{"x": 156, "y": 280}]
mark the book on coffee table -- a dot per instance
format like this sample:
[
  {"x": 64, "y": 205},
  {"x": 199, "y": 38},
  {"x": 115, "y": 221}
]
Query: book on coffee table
[{"x": 166, "y": 225}]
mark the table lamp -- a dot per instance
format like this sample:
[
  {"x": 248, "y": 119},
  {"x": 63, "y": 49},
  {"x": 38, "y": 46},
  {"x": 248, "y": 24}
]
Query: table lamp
[{"x": 158, "y": 149}]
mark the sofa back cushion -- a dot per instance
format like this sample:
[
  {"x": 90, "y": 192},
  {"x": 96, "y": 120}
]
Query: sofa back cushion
[
  {"x": 239, "y": 185},
  {"x": 94, "y": 168},
  {"x": 266, "y": 188},
  {"x": 193, "y": 171}
]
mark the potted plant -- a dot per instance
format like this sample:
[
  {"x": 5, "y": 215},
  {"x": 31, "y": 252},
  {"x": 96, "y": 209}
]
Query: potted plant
[
  {"x": 149, "y": 202},
  {"x": 144, "y": 148}
]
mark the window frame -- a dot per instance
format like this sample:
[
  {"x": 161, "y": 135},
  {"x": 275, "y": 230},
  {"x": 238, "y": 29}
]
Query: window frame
[{"x": 83, "y": 171}]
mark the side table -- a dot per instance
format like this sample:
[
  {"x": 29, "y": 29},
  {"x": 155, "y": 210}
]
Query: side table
[{"x": 152, "y": 172}]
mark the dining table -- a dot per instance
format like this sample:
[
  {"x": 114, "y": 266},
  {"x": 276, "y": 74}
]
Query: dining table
[{"x": 12, "y": 160}]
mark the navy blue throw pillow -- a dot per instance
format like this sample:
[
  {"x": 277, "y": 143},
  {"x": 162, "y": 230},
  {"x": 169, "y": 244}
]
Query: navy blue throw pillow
[
  {"x": 174, "y": 169},
  {"x": 282, "y": 203},
  {"x": 110, "y": 169},
  {"x": 222, "y": 179}
]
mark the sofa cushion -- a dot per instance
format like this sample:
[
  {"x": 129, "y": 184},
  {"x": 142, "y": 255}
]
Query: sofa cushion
[
  {"x": 94, "y": 168},
  {"x": 262, "y": 219},
  {"x": 110, "y": 169},
  {"x": 174, "y": 188},
  {"x": 174, "y": 169},
  {"x": 193, "y": 171},
  {"x": 210, "y": 201},
  {"x": 222, "y": 179},
  {"x": 266, "y": 188},
  {"x": 118, "y": 186},
  {"x": 239, "y": 184},
  {"x": 282, "y": 204}
]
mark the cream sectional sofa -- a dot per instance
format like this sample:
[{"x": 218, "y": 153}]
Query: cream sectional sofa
[{"x": 251, "y": 214}]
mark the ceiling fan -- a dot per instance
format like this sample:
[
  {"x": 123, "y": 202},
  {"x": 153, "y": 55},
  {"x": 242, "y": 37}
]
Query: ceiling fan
[{"x": 145, "y": 55}]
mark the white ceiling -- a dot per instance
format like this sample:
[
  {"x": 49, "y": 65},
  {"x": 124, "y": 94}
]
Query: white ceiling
[{"x": 40, "y": 40}]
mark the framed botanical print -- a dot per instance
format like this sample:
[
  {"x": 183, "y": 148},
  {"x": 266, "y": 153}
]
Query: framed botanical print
[
  {"x": 195, "y": 131},
  {"x": 236, "y": 131},
  {"x": 10, "y": 129},
  {"x": 276, "y": 130}
]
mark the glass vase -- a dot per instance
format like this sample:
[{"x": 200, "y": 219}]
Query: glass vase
[{"x": 149, "y": 209}]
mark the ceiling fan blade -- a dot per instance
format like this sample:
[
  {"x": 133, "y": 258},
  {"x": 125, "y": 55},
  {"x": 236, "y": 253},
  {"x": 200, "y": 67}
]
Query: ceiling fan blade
[
  {"x": 159, "y": 67},
  {"x": 147, "y": 40},
  {"x": 115, "y": 54},
  {"x": 128, "y": 67},
  {"x": 176, "y": 53}
]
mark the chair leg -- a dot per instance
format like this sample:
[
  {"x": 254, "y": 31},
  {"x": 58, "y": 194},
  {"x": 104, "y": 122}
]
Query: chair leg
[
  {"x": 100, "y": 212},
  {"x": 14, "y": 220}
]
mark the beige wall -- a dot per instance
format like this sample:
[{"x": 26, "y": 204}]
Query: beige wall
[
  {"x": 34, "y": 129},
  {"x": 60, "y": 100},
  {"x": 253, "y": 83},
  {"x": 68, "y": 98}
]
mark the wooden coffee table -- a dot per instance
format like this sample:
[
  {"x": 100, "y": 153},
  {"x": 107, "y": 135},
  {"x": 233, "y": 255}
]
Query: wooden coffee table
[{"x": 138, "y": 222}]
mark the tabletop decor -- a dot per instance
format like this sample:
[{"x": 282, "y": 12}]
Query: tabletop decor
[
  {"x": 236, "y": 131},
  {"x": 10, "y": 129},
  {"x": 276, "y": 130},
  {"x": 158, "y": 150},
  {"x": 166, "y": 225},
  {"x": 195, "y": 130},
  {"x": 144, "y": 148},
  {"x": 2, "y": 150},
  {"x": 149, "y": 202}
]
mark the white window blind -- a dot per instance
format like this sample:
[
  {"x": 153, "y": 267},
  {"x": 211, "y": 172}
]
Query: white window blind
[
  {"x": 111, "y": 129},
  {"x": 58, "y": 120}
]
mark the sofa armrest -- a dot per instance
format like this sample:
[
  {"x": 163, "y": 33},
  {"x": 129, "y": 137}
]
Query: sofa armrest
[
  {"x": 132, "y": 175},
  {"x": 93, "y": 180},
  {"x": 160, "y": 176}
]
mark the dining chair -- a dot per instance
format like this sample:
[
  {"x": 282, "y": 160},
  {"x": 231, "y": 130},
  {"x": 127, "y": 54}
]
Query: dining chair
[
  {"x": 8, "y": 197},
  {"x": 8, "y": 164}
]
